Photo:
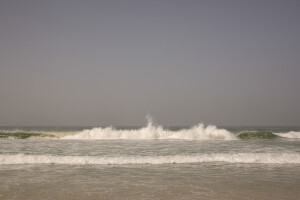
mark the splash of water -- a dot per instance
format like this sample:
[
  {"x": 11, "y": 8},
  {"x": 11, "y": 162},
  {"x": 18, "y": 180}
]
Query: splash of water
[{"x": 151, "y": 131}]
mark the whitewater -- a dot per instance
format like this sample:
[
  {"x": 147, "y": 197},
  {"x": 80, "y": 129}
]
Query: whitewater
[
  {"x": 151, "y": 131},
  {"x": 199, "y": 132},
  {"x": 283, "y": 158}
]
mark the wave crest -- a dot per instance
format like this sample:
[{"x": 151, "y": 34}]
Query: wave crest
[
  {"x": 256, "y": 135},
  {"x": 290, "y": 135},
  {"x": 199, "y": 132}
]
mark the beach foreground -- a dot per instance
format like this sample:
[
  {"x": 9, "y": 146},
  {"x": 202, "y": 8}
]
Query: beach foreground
[
  {"x": 229, "y": 167},
  {"x": 170, "y": 181}
]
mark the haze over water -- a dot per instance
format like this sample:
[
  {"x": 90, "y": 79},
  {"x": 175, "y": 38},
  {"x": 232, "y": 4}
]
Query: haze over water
[{"x": 102, "y": 63}]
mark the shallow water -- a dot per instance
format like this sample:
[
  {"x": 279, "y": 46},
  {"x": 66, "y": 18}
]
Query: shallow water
[
  {"x": 171, "y": 181},
  {"x": 212, "y": 168}
]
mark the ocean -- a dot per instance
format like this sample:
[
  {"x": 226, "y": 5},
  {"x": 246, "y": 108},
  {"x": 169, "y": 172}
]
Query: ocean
[{"x": 151, "y": 162}]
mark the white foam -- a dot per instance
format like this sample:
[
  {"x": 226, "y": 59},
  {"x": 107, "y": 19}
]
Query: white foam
[
  {"x": 291, "y": 135},
  {"x": 199, "y": 132},
  {"x": 276, "y": 158}
]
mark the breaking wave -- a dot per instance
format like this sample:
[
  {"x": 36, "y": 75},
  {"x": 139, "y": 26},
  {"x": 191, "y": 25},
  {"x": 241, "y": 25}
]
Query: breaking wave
[
  {"x": 271, "y": 158},
  {"x": 199, "y": 132},
  {"x": 290, "y": 135},
  {"x": 148, "y": 132}
]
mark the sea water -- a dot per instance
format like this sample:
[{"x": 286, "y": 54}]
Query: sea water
[{"x": 151, "y": 162}]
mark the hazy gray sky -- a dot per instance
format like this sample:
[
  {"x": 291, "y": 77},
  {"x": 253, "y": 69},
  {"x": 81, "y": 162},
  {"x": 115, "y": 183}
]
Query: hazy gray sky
[{"x": 183, "y": 62}]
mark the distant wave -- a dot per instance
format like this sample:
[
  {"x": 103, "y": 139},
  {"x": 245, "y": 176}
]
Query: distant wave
[
  {"x": 199, "y": 132},
  {"x": 276, "y": 158},
  {"x": 267, "y": 135},
  {"x": 24, "y": 135},
  {"x": 257, "y": 135}
]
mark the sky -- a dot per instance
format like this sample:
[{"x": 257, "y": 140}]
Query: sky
[{"x": 100, "y": 63}]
